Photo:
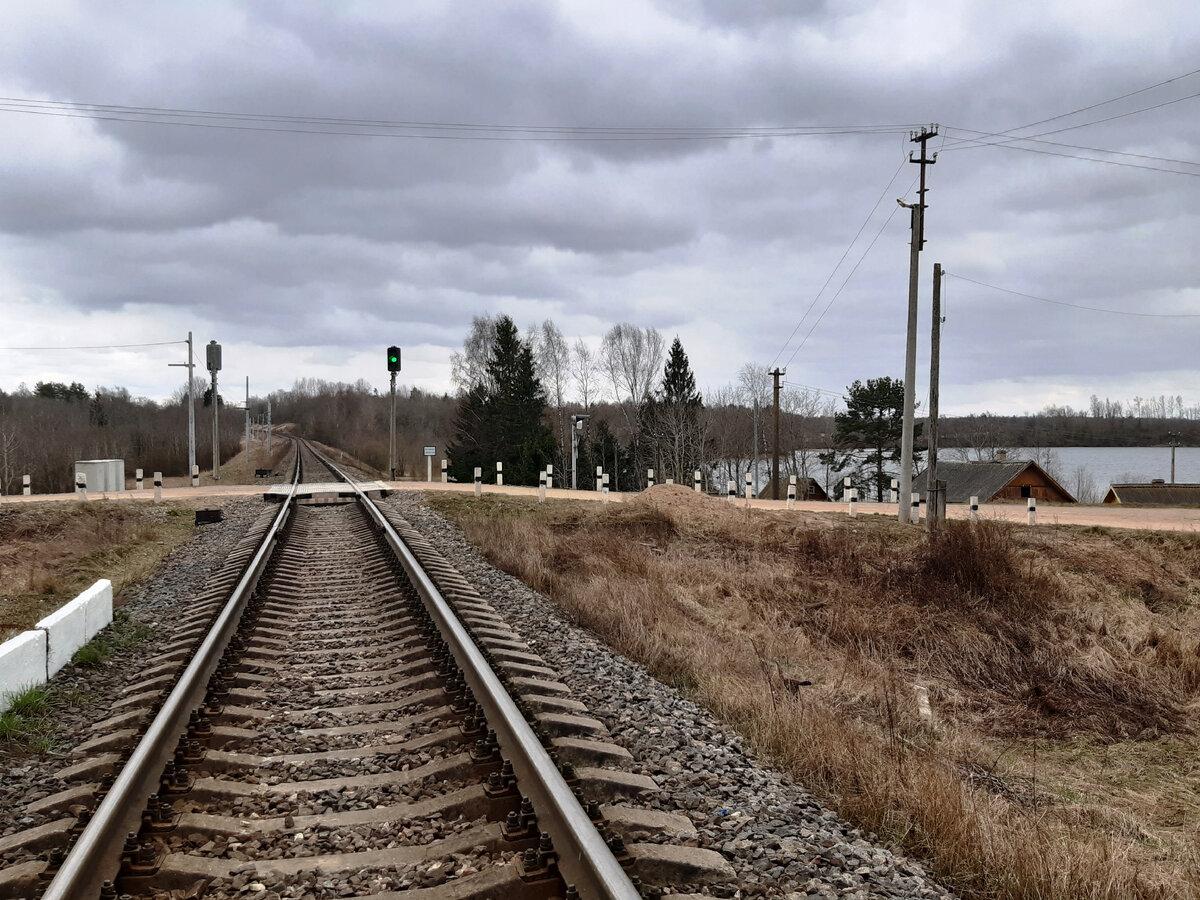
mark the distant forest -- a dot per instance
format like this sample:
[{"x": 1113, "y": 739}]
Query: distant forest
[{"x": 44, "y": 429}]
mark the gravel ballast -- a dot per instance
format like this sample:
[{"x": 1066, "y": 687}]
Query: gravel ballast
[
  {"x": 25, "y": 778},
  {"x": 780, "y": 841}
]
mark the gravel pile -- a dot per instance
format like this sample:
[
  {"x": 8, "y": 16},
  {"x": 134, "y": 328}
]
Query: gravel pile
[
  {"x": 780, "y": 841},
  {"x": 86, "y": 695}
]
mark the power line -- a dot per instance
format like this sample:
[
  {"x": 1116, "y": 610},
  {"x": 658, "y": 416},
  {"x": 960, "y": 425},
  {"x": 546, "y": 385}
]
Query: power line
[
  {"x": 975, "y": 143},
  {"x": 100, "y": 346},
  {"x": 1092, "y": 106},
  {"x": 845, "y": 253},
  {"x": 1108, "y": 162},
  {"x": 1113, "y": 312},
  {"x": 846, "y": 281},
  {"x": 455, "y": 131}
]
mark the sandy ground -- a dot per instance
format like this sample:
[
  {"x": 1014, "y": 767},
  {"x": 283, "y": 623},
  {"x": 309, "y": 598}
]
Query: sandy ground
[{"x": 1114, "y": 516}]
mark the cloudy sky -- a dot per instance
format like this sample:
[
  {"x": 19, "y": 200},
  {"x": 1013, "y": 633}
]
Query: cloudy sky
[{"x": 309, "y": 182}]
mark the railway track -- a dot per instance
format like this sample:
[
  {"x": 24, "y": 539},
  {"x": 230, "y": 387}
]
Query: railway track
[{"x": 342, "y": 715}]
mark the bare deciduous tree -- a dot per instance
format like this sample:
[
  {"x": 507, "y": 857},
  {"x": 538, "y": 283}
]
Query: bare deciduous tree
[{"x": 469, "y": 366}]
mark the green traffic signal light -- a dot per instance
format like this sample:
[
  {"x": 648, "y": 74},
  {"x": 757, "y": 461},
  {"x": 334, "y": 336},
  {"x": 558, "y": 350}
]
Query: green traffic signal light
[{"x": 393, "y": 359}]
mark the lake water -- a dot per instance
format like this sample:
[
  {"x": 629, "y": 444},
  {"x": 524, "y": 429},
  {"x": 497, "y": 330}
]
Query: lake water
[{"x": 1102, "y": 466}]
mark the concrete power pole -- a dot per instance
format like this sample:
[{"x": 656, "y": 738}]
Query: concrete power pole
[
  {"x": 935, "y": 500},
  {"x": 248, "y": 465},
  {"x": 776, "y": 374},
  {"x": 1173, "y": 437},
  {"x": 910, "y": 352},
  {"x": 190, "y": 364}
]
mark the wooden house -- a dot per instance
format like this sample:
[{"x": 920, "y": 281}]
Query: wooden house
[
  {"x": 806, "y": 489},
  {"x": 1156, "y": 493},
  {"x": 995, "y": 481}
]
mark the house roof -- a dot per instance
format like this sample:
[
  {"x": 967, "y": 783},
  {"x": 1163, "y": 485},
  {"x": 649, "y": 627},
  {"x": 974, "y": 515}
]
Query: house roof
[
  {"x": 1155, "y": 494},
  {"x": 984, "y": 480}
]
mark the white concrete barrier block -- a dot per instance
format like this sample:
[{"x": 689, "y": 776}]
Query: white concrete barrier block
[
  {"x": 98, "y": 608},
  {"x": 22, "y": 664},
  {"x": 64, "y": 635}
]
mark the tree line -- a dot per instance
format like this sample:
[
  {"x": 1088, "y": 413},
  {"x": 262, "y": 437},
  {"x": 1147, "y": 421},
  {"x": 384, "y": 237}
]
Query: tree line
[{"x": 515, "y": 397}]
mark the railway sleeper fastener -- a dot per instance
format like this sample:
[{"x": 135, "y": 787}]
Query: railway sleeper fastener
[
  {"x": 145, "y": 859},
  {"x": 520, "y": 824},
  {"x": 175, "y": 780},
  {"x": 540, "y": 863},
  {"x": 159, "y": 816},
  {"x": 188, "y": 751},
  {"x": 199, "y": 727}
]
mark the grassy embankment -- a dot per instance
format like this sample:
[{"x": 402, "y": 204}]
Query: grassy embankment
[
  {"x": 1062, "y": 666},
  {"x": 50, "y": 552}
]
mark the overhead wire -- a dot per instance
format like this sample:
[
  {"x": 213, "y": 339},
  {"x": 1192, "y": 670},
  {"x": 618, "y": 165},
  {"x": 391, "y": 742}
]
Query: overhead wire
[
  {"x": 841, "y": 260},
  {"x": 455, "y": 131},
  {"x": 100, "y": 346},
  {"x": 1098, "y": 309}
]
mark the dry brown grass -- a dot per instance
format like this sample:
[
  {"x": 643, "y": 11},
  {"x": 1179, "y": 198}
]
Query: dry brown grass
[
  {"x": 49, "y": 552},
  {"x": 1062, "y": 666}
]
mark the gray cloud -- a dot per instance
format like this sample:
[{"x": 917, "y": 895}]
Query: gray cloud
[{"x": 262, "y": 234}]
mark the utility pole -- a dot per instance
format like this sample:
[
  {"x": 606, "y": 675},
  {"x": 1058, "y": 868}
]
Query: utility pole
[
  {"x": 910, "y": 351},
  {"x": 776, "y": 374},
  {"x": 268, "y": 427},
  {"x": 756, "y": 444},
  {"x": 1173, "y": 438},
  {"x": 935, "y": 500},
  {"x": 191, "y": 409}
]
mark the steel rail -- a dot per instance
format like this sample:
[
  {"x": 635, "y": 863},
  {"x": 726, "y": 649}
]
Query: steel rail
[
  {"x": 583, "y": 858},
  {"x": 95, "y": 858}
]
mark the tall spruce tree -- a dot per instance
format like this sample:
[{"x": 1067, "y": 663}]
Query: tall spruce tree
[
  {"x": 672, "y": 418},
  {"x": 500, "y": 417}
]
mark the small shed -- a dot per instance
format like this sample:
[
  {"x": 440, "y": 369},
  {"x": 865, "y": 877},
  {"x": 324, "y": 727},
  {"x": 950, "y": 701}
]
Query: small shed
[
  {"x": 806, "y": 489},
  {"x": 1157, "y": 493},
  {"x": 995, "y": 480}
]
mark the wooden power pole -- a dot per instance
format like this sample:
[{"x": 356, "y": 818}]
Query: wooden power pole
[
  {"x": 776, "y": 374},
  {"x": 934, "y": 497}
]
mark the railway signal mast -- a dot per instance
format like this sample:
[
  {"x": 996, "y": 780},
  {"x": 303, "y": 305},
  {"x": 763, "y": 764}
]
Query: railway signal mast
[
  {"x": 393, "y": 364},
  {"x": 213, "y": 356}
]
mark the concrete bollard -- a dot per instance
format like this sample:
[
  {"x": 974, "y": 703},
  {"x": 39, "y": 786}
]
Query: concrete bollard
[
  {"x": 81, "y": 485},
  {"x": 1032, "y": 511},
  {"x": 853, "y": 500},
  {"x": 137, "y": 477},
  {"x": 445, "y": 473},
  {"x": 791, "y": 500},
  {"x": 670, "y": 481},
  {"x": 499, "y": 474},
  {"x": 731, "y": 488},
  {"x": 696, "y": 481},
  {"x": 158, "y": 486},
  {"x": 478, "y": 482},
  {"x": 604, "y": 485},
  {"x": 916, "y": 507},
  {"x": 195, "y": 476},
  {"x": 749, "y": 488},
  {"x": 894, "y": 493},
  {"x": 549, "y": 475},
  {"x": 599, "y": 472},
  {"x": 26, "y": 489},
  {"x": 974, "y": 509},
  {"x": 541, "y": 487},
  {"x": 649, "y": 478}
]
